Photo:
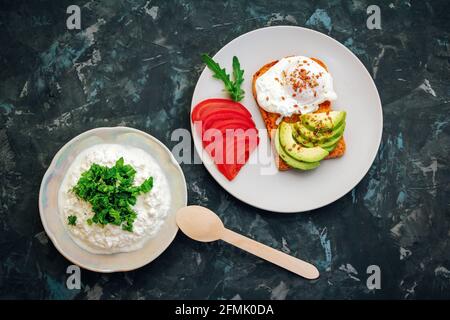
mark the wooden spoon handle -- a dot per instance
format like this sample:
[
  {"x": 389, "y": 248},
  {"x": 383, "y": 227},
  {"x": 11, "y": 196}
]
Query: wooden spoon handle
[{"x": 277, "y": 257}]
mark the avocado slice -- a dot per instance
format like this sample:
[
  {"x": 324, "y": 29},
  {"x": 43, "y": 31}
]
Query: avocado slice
[
  {"x": 326, "y": 143},
  {"x": 323, "y": 121},
  {"x": 316, "y": 137},
  {"x": 296, "y": 150},
  {"x": 302, "y": 140},
  {"x": 332, "y": 142},
  {"x": 289, "y": 160},
  {"x": 331, "y": 148}
]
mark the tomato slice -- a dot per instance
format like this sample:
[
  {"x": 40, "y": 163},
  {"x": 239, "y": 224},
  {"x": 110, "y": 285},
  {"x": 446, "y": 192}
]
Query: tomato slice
[
  {"x": 210, "y": 106},
  {"x": 231, "y": 154},
  {"x": 221, "y": 118},
  {"x": 232, "y": 125},
  {"x": 231, "y": 165},
  {"x": 238, "y": 130},
  {"x": 240, "y": 148},
  {"x": 208, "y": 113},
  {"x": 231, "y": 150}
]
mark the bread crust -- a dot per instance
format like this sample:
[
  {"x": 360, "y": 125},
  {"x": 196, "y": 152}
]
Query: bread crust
[{"x": 270, "y": 119}]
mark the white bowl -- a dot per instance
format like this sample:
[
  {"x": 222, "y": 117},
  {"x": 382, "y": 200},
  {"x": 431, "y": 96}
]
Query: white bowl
[{"x": 48, "y": 199}]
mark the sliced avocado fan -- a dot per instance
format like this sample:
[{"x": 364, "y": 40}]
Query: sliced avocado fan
[
  {"x": 323, "y": 140},
  {"x": 296, "y": 150},
  {"x": 296, "y": 164},
  {"x": 303, "y": 144},
  {"x": 323, "y": 121}
]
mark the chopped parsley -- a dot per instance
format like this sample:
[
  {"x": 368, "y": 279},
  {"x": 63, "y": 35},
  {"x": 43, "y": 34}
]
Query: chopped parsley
[
  {"x": 72, "y": 220},
  {"x": 111, "y": 193}
]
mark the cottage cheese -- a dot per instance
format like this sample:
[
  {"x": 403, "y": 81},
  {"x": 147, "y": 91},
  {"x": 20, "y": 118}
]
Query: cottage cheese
[{"x": 151, "y": 207}]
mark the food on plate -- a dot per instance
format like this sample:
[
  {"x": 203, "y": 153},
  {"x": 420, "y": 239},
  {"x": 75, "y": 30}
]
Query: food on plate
[
  {"x": 226, "y": 127},
  {"x": 322, "y": 122},
  {"x": 292, "y": 162},
  {"x": 294, "y": 85},
  {"x": 295, "y": 149},
  {"x": 228, "y": 133},
  {"x": 294, "y": 96},
  {"x": 309, "y": 145},
  {"x": 310, "y": 138},
  {"x": 113, "y": 198}
]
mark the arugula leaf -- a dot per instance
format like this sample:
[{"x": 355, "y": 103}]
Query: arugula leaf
[
  {"x": 219, "y": 73},
  {"x": 72, "y": 220},
  {"x": 111, "y": 193},
  {"x": 233, "y": 87},
  {"x": 238, "y": 75}
]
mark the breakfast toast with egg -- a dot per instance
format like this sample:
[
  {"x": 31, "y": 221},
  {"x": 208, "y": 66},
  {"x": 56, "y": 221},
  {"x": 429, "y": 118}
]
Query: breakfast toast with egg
[{"x": 270, "y": 119}]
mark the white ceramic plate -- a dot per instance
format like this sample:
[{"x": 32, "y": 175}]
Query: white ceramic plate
[
  {"x": 295, "y": 191},
  {"x": 48, "y": 199}
]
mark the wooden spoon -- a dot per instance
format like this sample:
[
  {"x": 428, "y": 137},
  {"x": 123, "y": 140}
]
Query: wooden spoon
[{"x": 203, "y": 225}]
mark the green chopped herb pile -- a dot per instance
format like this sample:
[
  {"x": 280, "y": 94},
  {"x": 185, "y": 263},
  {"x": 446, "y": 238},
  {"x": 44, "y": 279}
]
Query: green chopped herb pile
[{"x": 111, "y": 193}]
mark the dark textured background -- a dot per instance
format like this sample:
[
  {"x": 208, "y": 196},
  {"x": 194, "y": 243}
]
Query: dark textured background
[{"x": 135, "y": 63}]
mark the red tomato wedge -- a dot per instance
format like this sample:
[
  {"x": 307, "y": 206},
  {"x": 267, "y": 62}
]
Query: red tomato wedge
[
  {"x": 211, "y": 134},
  {"x": 226, "y": 124},
  {"x": 241, "y": 152},
  {"x": 234, "y": 124},
  {"x": 219, "y": 117},
  {"x": 209, "y": 106},
  {"x": 228, "y": 133},
  {"x": 229, "y": 150}
]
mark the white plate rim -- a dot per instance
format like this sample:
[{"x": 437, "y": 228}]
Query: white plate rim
[
  {"x": 197, "y": 142},
  {"x": 50, "y": 169}
]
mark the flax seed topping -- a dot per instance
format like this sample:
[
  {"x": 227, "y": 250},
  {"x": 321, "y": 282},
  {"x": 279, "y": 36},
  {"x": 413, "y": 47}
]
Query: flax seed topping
[
  {"x": 294, "y": 85},
  {"x": 300, "y": 79}
]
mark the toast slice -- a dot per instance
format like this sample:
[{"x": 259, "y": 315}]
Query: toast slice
[{"x": 270, "y": 119}]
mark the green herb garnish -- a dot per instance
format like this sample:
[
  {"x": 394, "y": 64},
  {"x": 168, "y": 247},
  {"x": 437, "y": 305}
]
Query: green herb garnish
[
  {"x": 233, "y": 87},
  {"x": 111, "y": 193},
  {"x": 238, "y": 75},
  {"x": 72, "y": 220}
]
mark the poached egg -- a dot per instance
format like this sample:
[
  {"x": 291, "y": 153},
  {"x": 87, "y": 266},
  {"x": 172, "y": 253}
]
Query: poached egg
[{"x": 294, "y": 85}]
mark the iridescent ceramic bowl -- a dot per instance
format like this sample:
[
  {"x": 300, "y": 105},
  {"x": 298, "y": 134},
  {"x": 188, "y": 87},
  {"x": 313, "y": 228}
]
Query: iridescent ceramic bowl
[{"x": 50, "y": 215}]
